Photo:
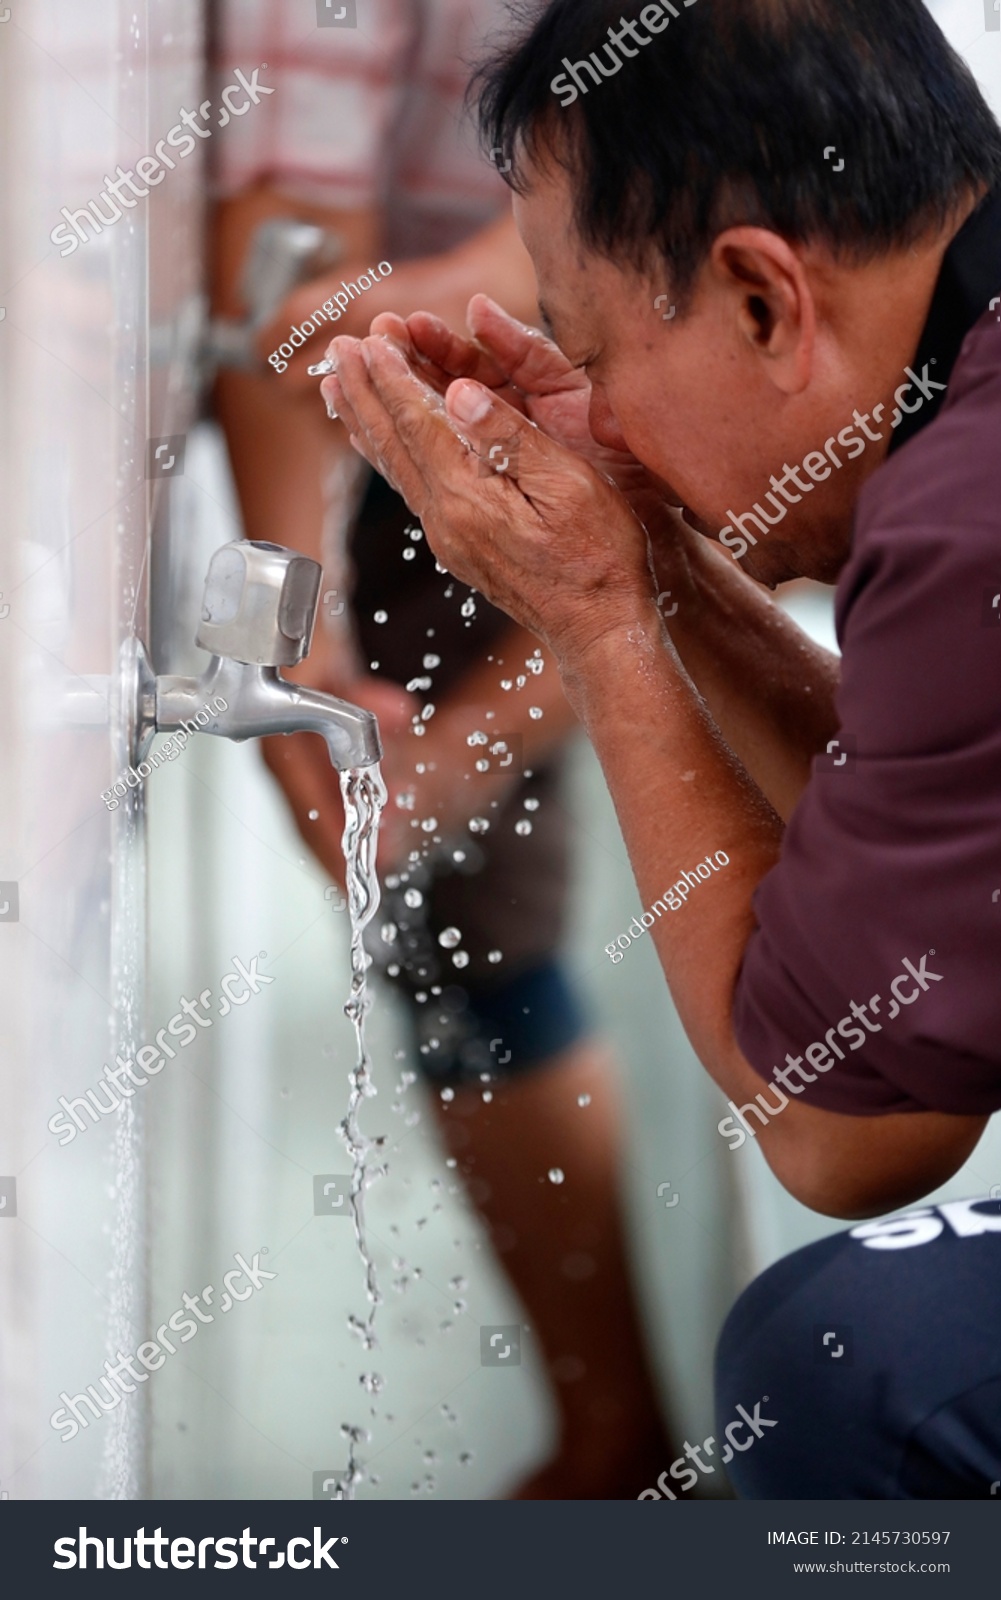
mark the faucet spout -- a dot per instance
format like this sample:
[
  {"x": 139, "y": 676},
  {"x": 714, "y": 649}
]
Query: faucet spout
[{"x": 241, "y": 700}]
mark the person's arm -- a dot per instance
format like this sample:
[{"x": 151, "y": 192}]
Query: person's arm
[
  {"x": 769, "y": 687},
  {"x": 654, "y": 737},
  {"x": 493, "y": 261},
  {"x": 562, "y": 551}
]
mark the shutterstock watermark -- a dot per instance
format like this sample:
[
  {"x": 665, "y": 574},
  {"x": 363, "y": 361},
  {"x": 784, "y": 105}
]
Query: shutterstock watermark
[
  {"x": 823, "y": 1056},
  {"x": 168, "y": 751},
  {"x": 152, "y": 1058},
  {"x": 150, "y": 169},
  {"x": 754, "y": 1425},
  {"x": 817, "y": 464},
  {"x": 675, "y": 898},
  {"x": 182, "y": 1553},
  {"x": 656, "y": 18},
  {"x": 152, "y": 1353}
]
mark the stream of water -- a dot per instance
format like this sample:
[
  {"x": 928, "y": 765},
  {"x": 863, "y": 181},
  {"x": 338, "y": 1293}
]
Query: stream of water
[{"x": 364, "y": 795}]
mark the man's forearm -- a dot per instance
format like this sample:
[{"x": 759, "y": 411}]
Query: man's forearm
[
  {"x": 681, "y": 796},
  {"x": 769, "y": 688}
]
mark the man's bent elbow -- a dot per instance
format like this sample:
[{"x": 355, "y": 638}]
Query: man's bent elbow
[{"x": 853, "y": 1168}]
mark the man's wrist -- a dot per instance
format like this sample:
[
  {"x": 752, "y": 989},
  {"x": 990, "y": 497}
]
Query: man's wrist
[{"x": 592, "y": 650}]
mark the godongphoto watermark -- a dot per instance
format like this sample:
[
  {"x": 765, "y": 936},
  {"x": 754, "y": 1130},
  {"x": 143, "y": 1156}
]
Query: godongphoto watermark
[
  {"x": 754, "y": 1424},
  {"x": 655, "y": 17},
  {"x": 332, "y": 310},
  {"x": 824, "y": 1056},
  {"x": 152, "y": 1353},
  {"x": 818, "y": 464},
  {"x": 68, "y": 1120},
  {"x": 169, "y": 750},
  {"x": 71, "y": 233},
  {"x": 673, "y": 900}
]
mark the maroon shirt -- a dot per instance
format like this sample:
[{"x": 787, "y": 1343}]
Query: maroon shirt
[{"x": 894, "y": 851}]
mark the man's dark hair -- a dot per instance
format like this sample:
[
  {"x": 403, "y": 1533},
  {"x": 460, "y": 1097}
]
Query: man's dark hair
[{"x": 724, "y": 118}]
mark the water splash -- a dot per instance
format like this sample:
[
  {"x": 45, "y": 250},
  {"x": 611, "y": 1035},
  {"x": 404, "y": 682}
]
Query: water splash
[{"x": 364, "y": 795}]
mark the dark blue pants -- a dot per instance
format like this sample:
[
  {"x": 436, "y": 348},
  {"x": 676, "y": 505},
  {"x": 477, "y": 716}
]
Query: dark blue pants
[{"x": 880, "y": 1353}]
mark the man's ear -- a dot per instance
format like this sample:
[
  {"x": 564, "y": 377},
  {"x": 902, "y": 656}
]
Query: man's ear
[{"x": 766, "y": 285}]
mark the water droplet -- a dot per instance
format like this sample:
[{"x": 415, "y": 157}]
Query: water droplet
[
  {"x": 388, "y": 932},
  {"x": 429, "y": 824},
  {"x": 447, "y": 1094},
  {"x": 381, "y": 616},
  {"x": 535, "y": 712},
  {"x": 413, "y": 898},
  {"x": 495, "y": 956},
  {"x": 482, "y": 766},
  {"x": 520, "y": 681},
  {"x": 371, "y": 1382},
  {"x": 556, "y": 1175},
  {"x": 458, "y": 856},
  {"x": 468, "y": 607},
  {"x": 394, "y": 970},
  {"x": 465, "y": 1458},
  {"x": 583, "y": 1099},
  {"x": 450, "y": 938},
  {"x": 409, "y": 553},
  {"x": 418, "y": 684},
  {"x": 429, "y": 711},
  {"x": 460, "y": 959},
  {"x": 479, "y": 825},
  {"x": 531, "y": 805},
  {"x": 431, "y": 662},
  {"x": 416, "y": 534},
  {"x": 488, "y": 1095},
  {"x": 478, "y": 738},
  {"x": 313, "y": 816},
  {"x": 506, "y": 683},
  {"x": 524, "y": 827}
]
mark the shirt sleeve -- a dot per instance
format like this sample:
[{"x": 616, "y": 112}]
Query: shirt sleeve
[{"x": 876, "y": 963}]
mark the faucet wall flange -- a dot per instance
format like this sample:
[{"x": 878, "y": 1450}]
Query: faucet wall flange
[{"x": 137, "y": 700}]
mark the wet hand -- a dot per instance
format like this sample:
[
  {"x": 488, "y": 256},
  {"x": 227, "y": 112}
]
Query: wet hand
[
  {"x": 521, "y": 518},
  {"x": 524, "y": 368}
]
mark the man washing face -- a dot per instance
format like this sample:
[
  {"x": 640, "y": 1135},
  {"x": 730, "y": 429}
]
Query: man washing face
[{"x": 807, "y": 299}]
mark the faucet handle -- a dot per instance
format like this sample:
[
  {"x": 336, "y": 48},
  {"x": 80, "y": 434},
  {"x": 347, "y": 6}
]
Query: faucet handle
[{"x": 259, "y": 604}]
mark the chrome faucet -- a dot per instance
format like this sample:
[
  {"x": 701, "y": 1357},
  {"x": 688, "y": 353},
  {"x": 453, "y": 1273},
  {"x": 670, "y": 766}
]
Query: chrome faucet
[
  {"x": 283, "y": 253},
  {"x": 258, "y": 612}
]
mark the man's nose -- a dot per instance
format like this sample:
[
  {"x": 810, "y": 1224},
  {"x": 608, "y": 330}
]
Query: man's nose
[{"x": 603, "y": 423}]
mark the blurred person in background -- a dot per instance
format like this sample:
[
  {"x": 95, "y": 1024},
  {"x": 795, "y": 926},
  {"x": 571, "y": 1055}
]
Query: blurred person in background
[{"x": 364, "y": 135}]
